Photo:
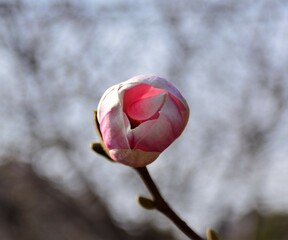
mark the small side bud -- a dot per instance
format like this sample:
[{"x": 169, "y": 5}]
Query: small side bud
[
  {"x": 146, "y": 203},
  {"x": 98, "y": 148},
  {"x": 211, "y": 235}
]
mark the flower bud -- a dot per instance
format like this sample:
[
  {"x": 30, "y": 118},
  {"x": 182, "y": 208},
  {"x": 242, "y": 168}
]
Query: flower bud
[{"x": 140, "y": 118}]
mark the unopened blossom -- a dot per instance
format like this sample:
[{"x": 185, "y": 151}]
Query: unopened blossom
[{"x": 140, "y": 118}]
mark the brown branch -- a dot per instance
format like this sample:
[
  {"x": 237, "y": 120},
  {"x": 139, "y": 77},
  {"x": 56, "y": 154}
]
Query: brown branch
[
  {"x": 162, "y": 206},
  {"x": 158, "y": 201}
]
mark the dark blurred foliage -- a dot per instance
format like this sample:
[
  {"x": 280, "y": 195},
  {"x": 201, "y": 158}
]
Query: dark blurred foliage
[
  {"x": 256, "y": 226},
  {"x": 32, "y": 208}
]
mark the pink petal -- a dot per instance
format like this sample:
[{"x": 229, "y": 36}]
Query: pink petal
[
  {"x": 146, "y": 108},
  {"x": 156, "y": 138},
  {"x": 157, "y": 82},
  {"x": 109, "y": 100},
  {"x": 174, "y": 114},
  {"x": 133, "y": 158},
  {"x": 113, "y": 129},
  {"x": 142, "y": 101},
  {"x": 158, "y": 134}
]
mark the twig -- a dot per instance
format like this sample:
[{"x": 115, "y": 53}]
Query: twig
[{"x": 162, "y": 206}]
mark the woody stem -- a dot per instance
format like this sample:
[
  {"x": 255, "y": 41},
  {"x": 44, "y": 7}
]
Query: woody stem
[{"x": 163, "y": 207}]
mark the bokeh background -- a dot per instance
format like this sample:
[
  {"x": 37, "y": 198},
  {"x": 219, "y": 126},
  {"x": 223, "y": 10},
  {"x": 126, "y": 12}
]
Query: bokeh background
[{"x": 228, "y": 170}]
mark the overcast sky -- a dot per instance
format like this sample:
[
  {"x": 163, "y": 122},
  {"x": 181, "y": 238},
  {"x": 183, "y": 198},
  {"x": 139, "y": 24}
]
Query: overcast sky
[{"x": 229, "y": 59}]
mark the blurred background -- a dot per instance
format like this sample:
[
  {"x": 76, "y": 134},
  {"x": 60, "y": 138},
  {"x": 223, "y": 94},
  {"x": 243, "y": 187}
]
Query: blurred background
[{"x": 228, "y": 170}]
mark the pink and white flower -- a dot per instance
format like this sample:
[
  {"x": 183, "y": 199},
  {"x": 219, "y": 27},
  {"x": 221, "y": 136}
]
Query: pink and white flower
[{"x": 140, "y": 118}]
